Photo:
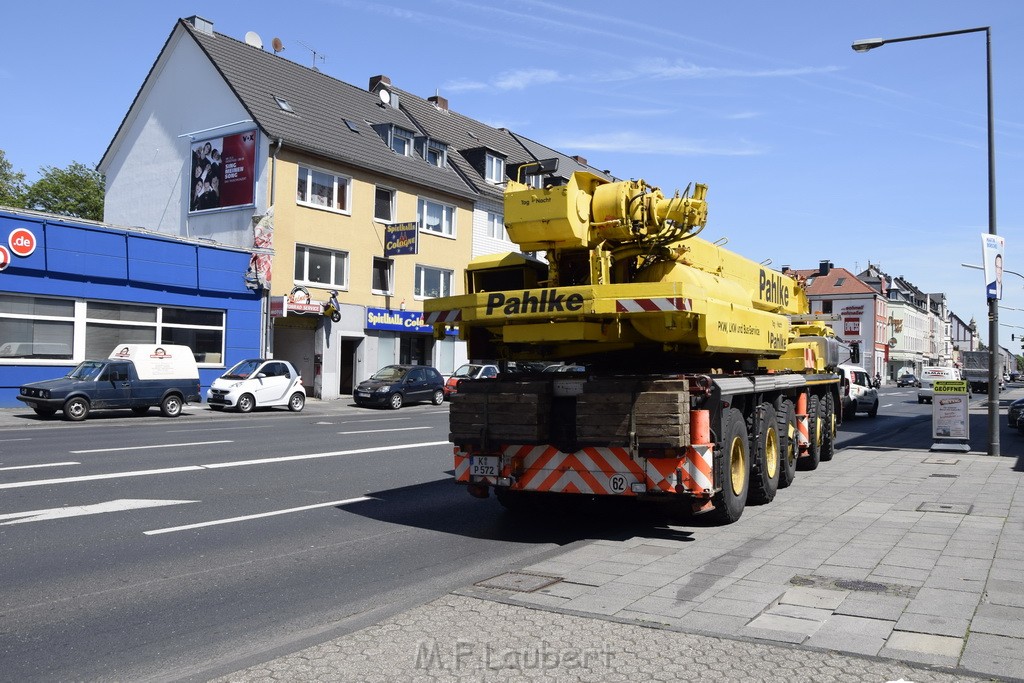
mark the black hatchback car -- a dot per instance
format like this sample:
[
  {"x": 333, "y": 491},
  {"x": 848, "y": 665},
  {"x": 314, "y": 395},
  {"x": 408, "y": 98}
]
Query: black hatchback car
[
  {"x": 908, "y": 380},
  {"x": 395, "y": 385}
]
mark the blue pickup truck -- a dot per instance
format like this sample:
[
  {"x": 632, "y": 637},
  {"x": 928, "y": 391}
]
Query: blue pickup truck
[{"x": 135, "y": 376}]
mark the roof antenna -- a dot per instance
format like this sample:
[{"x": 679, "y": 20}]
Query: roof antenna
[{"x": 323, "y": 57}]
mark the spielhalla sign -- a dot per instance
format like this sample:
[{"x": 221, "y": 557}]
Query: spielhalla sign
[{"x": 400, "y": 239}]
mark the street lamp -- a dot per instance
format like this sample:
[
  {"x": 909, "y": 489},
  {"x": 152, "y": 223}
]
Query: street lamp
[{"x": 993, "y": 304}]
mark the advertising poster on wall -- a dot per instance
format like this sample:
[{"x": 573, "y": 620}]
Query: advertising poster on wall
[{"x": 223, "y": 172}]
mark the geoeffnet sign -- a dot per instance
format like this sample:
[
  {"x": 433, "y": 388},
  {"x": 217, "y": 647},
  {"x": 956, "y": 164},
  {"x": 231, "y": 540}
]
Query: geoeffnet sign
[{"x": 950, "y": 417}]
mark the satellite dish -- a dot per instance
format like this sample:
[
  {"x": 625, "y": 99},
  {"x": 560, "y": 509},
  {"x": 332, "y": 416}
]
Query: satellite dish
[
  {"x": 253, "y": 38},
  {"x": 277, "y": 44},
  {"x": 385, "y": 95}
]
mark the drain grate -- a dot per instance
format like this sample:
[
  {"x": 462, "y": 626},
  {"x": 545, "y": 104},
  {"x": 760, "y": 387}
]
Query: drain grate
[
  {"x": 519, "y": 582},
  {"x": 951, "y": 508},
  {"x": 868, "y": 586},
  {"x": 946, "y": 476}
]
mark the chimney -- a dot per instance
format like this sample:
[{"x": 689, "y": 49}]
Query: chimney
[
  {"x": 201, "y": 25},
  {"x": 376, "y": 81},
  {"x": 580, "y": 160},
  {"x": 439, "y": 102}
]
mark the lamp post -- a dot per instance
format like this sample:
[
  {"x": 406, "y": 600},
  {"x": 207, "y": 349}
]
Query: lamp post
[{"x": 993, "y": 304}]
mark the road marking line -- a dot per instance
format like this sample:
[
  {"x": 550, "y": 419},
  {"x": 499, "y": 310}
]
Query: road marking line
[
  {"x": 217, "y": 429},
  {"x": 143, "y": 448},
  {"x": 246, "y": 518},
  {"x": 377, "y": 431},
  {"x": 80, "y": 510},
  {"x": 216, "y": 465},
  {"x": 47, "y": 464},
  {"x": 22, "y": 439},
  {"x": 312, "y": 456},
  {"x": 97, "y": 477},
  {"x": 380, "y": 419}
]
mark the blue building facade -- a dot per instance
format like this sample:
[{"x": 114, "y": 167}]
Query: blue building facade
[{"x": 72, "y": 289}]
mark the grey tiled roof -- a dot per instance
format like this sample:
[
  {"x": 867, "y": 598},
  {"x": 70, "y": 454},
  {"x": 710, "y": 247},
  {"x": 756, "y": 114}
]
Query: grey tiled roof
[{"x": 321, "y": 106}]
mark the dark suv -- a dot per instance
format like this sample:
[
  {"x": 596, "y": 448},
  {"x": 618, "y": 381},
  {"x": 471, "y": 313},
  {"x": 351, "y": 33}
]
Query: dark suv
[{"x": 396, "y": 385}]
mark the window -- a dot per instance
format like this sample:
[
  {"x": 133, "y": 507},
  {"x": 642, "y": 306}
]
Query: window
[
  {"x": 432, "y": 282},
  {"x": 383, "y": 276},
  {"x": 36, "y": 327},
  {"x": 435, "y": 154},
  {"x": 321, "y": 267},
  {"x": 826, "y": 306},
  {"x": 322, "y": 190},
  {"x": 43, "y": 328},
  {"x": 535, "y": 181},
  {"x": 284, "y": 104},
  {"x": 496, "y": 226},
  {"x": 436, "y": 217},
  {"x": 384, "y": 204},
  {"x": 401, "y": 141},
  {"x": 495, "y": 172}
]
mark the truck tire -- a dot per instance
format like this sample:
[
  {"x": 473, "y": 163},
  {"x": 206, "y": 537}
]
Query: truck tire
[
  {"x": 764, "y": 473},
  {"x": 76, "y": 409},
  {"x": 171, "y": 406},
  {"x": 813, "y": 457},
  {"x": 734, "y": 461},
  {"x": 246, "y": 402},
  {"x": 828, "y": 420},
  {"x": 787, "y": 442}
]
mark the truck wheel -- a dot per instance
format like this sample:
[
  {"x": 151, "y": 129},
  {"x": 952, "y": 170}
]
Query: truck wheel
[
  {"x": 171, "y": 406},
  {"x": 76, "y": 409},
  {"x": 764, "y": 476},
  {"x": 246, "y": 402},
  {"x": 813, "y": 457},
  {"x": 140, "y": 410},
  {"x": 297, "y": 402},
  {"x": 44, "y": 412},
  {"x": 734, "y": 464},
  {"x": 395, "y": 401},
  {"x": 828, "y": 420},
  {"x": 438, "y": 397},
  {"x": 787, "y": 442}
]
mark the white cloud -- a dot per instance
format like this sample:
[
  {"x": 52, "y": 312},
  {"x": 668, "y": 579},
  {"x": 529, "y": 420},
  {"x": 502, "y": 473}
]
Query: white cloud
[
  {"x": 743, "y": 115},
  {"x": 464, "y": 86},
  {"x": 634, "y": 143},
  {"x": 524, "y": 78},
  {"x": 664, "y": 69}
]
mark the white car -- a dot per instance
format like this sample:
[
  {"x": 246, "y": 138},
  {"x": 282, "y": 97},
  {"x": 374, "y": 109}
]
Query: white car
[
  {"x": 255, "y": 383},
  {"x": 858, "y": 394}
]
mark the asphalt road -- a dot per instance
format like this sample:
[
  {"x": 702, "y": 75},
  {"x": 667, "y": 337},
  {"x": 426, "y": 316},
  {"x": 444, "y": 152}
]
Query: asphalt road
[{"x": 156, "y": 549}]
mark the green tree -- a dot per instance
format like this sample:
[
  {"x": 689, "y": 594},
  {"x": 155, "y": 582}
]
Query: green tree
[
  {"x": 73, "y": 191},
  {"x": 12, "y": 184}
]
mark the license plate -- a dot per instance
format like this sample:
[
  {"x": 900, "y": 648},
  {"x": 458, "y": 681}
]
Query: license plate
[
  {"x": 483, "y": 466},
  {"x": 363, "y": 393}
]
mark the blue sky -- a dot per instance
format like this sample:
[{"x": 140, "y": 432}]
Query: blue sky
[{"x": 810, "y": 150}]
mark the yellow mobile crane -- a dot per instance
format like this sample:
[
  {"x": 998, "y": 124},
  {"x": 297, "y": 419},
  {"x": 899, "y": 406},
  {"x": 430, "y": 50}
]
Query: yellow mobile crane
[{"x": 679, "y": 371}]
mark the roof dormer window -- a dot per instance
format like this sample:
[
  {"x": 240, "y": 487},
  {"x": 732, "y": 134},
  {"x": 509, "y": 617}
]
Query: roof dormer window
[
  {"x": 284, "y": 104},
  {"x": 401, "y": 141},
  {"x": 495, "y": 169}
]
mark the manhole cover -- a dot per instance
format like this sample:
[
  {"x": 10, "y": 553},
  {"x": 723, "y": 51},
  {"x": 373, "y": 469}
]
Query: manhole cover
[
  {"x": 945, "y": 507},
  {"x": 947, "y": 476},
  {"x": 518, "y": 581},
  {"x": 861, "y": 586},
  {"x": 941, "y": 461},
  {"x": 802, "y": 581}
]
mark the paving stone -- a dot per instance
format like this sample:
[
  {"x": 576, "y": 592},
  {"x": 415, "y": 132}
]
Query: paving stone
[
  {"x": 937, "y": 625},
  {"x": 873, "y": 606},
  {"x": 780, "y": 627},
  {"x": 813, "y": 597},
  {"x": 852, "y": 634},
  {"x": 944, "y": 603},
  {"x": 1000, "y": 620},
  {"x": 920, "y": 647},
  {"x": 997, "y": 655}
]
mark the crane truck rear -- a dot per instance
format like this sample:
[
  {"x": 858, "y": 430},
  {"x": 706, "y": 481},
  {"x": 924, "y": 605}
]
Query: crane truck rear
[{"x": 706, "y": 381}]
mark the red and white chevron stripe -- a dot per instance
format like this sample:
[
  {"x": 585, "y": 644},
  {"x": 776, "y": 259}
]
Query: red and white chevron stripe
[
  {"x": 662, "y": 304},
  {"x": 452, "y": 316}
]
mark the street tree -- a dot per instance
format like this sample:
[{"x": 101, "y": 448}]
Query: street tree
[
  {"x": 12, "y": 184},
  {"x": 73, "y": 191}
]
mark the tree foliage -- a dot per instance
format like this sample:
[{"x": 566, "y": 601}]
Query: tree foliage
[
  {"x": 73, "y": 191},
  {"x": 12, "y": 184}
]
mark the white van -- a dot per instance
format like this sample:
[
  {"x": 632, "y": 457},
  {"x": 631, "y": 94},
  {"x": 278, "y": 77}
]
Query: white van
[
  {"x": 929, "y": 375},
  {"x": 858, "y": 393}
]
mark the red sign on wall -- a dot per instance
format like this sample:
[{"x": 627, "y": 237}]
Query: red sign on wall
[
  {"x": 5, "y": 258},
  {"x": 22, "y": 242}
]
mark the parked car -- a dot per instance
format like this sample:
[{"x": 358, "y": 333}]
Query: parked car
[
  {"x": 1014, "y": 413},
  {"x": 135, "y": 376},
  {"x": 907, "y": 380},
  {"x": 467, "y": 373},
  {"x": 396, "y": 385},
  {"x": 257, "y": 383},
  {"x": 858, "y": 393}
]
